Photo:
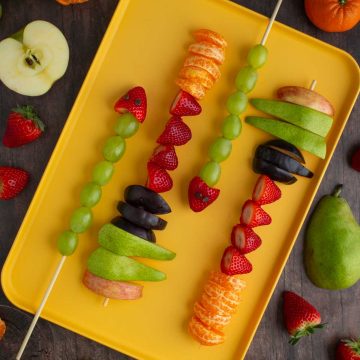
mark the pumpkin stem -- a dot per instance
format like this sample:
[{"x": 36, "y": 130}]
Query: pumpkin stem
[{"x": 342, "y": 2}]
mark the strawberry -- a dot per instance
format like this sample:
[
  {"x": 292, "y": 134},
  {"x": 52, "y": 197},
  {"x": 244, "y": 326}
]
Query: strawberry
[
  {"x": 12, "y": 181},
  {"x": 165, "y": 157},
  {"x": 23, "y": 126},
  {"x": 244, "y": 238},
  {"x": 185, "y": 105},
  {"x": 265, "y": 191},
  {"x": 355, "y": 160},
  {"x": 301, "y": 318},
  {"x": 348, "y": 350},
  {"x": 200, "y": 195},
  {"x": 176, "y": 133},
  {"x": 133, "y": 101},
  {"x": 234, "y": 263},
  {"x": 2, "y": 329},
  {"x": 253, "y": 215},
  {"x": 158, "y": 179}
]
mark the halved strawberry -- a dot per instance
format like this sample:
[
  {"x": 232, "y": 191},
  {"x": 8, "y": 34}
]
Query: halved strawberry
[
  {"x": 158, "y": 179},
  {"x": 185, "y": 105},
  {"x": 176, "y": 133},
  {"x": 134, "y": 101},
  {"x": 265, "y": 191},
  {"x": 165, "y": 157},
  {"x": 234, "y": 263},
  {"x": 244, "y": 238},
  {"x": 253, "y": 215},
  {"x": 200, "y": 195}
]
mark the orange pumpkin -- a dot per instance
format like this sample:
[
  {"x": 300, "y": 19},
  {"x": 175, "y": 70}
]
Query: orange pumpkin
[
  {"x": 69, "y": 2},
  {"x": 333, "y": 15}
]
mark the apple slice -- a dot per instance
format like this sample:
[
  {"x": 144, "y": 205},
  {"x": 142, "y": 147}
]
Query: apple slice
[{"x": 34, "y": 58}]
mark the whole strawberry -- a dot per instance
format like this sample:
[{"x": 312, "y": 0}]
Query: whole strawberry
[
  {"x": 200, "y": 195},
  {"x": 23, "y": 126},
  {"x": 301, "y": 318},
  {"x": 12, "y": 181},
  {"x": 348, "y": 350}
]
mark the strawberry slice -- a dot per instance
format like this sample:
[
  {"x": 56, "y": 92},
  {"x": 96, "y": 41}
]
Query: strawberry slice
[
  {"x": 266, "y": 191},
  {"x": 12, "y": 181},
  {"x": 158, "y": 179},
  {"x": 185, "y": 105},
  {"x": 244, "y": 238},
  {"x": 200, "y": 195},
  {"x": 176, "y": 133},
  {"x": 234, "y": 263},
  {"x": 253, "y": 215},
  {"x": 165, "y": 157},
  {"x": 134, "y": 101}
]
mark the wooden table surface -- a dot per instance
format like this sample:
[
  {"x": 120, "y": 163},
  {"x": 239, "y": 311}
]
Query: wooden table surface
[{"x": 84, "y": 26}]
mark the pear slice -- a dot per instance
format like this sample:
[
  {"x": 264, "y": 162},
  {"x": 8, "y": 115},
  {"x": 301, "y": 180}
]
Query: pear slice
[
  {"x": 301, "y": 138},
  {"x": 34, "y": 58}
]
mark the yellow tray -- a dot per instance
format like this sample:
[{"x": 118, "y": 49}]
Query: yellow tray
[{"x": 146, "y": 44}]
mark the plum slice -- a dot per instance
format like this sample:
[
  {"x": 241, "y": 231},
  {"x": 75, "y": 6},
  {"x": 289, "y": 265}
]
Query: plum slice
[{"x": 261, "y": 166}]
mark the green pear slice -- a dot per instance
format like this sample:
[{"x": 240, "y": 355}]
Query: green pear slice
[
  {"x": 301, "y": 116},
  {"x": 34, "y": 59},
  {"x": 110, "y": 266},
  {"x": 123, "y": 243},
  {"x": 301, "y": 138}
]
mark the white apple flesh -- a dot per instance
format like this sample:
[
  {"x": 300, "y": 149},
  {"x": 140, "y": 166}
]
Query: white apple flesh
[{"x": 31, "y": 63}]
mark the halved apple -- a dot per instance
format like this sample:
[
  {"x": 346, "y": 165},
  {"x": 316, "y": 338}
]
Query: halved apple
[{"x": 33, "y": 58}]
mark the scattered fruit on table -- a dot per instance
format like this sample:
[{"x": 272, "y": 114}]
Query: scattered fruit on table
[
  {"x": 306, "y": 97},
  {"x": 253, "y": 215},
  {"x": 301, "y": 116},
  {"x": 200, "y": 195},
  {"x": 348, "y": 349},
  {"x": 265, "y": 191},
  {"x": 333, "y": 15},
  {"x": 234, "y": 262},
  {"x": 12, "y": 181},
  {"x": 176, "y": 133},
  {"x": 158, "y": 179},
  {"x": 33, "y": 58},
  {"x": 300, "y": 317},
  {"x": 134, "y": 102},
  {"x": 301, "y": 138},
  {"x": 165, "y": 157},
  {"x": 185, "y": 104},
  {"x": 2, "y": 329},
  {"x": 244, "y": 239},
  {"x": 131, "y": 228},
  {"x": 111, "y": 289},
  {"x": 70, "y": 2},
  {"x": 332, "y": 246},
  {"x": 23, "y": 126},
  {"x": 355, "y": 160}
]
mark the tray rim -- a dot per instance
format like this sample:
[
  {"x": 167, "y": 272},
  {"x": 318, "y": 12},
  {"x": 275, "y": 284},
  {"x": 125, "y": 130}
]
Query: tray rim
[{"x": 78, "y": 104}]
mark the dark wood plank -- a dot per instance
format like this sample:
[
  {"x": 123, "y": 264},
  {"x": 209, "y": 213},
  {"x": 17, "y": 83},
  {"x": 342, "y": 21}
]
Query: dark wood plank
[{"x": 84, "y": 27}]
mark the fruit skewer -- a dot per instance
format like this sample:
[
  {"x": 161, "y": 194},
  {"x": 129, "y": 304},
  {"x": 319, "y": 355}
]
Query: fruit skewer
[
  {"x": 132, "y": 108},
  {"x": 201, "y": 192}
]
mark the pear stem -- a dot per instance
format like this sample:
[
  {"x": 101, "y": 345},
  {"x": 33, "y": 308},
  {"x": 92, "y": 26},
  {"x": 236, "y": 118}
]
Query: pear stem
[{"x": 337, "y": 190}]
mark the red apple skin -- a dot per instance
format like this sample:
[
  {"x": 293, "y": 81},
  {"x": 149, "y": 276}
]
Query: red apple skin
[{"x": 305, "y": 97}]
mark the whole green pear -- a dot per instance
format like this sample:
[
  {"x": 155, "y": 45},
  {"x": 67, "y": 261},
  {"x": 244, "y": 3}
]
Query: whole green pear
[{"x": 332, "y": 244}]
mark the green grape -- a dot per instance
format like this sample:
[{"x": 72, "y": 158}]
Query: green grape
[
  {"x": 127, "y": 125},
  {"x": 67, "y": 243},
  {"x": 114, "y": 148},
  {"x": 236, "y": 103},
  {"x": 231, "y": 127},
  {"x": 220, "y": 149},
  {"x": 90, "y": 194},
  {"x": 103, "y": 172},
  {"x": 210, "y": 173},
  {"x": 81, "y": 220},
  {"x": 257, "y": 56},
  {"x": 246, "y": 79}
]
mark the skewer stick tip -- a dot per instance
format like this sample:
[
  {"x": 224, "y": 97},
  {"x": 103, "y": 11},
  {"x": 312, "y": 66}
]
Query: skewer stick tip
[
  {"x": 313, "y": 85},
  {"x": 106, "y": 302}
]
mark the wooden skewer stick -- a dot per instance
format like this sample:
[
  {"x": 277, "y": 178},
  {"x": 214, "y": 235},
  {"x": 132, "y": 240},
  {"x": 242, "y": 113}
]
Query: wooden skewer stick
[
  {"x": 313, "y": 85},
  {"x": 271, "y": 22},
  {"x": 41, "y": 306}
]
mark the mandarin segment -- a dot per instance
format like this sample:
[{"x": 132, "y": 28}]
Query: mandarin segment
[
  {"x": 227, "y": 281},
  {"x": 215, "y": 305},
  {"x": 230, "y": 298},
  {"x": 203, "y": 334},
  {"x": 203, "y": 63},
  {"x": 215, "y": 321},
  {"x": 193, "y": 88},
  {"x": 196, "y": 74},
  {"x": 212, "y": 37},
  {"x": 208, "y": 50}
]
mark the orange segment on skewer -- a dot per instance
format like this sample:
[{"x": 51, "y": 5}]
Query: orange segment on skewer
[
  {"x": 203, "y": 63},
  {"x": 196, "y": 74},
  {"x": 193, "y": 88},
  {"x": 210, "y": 36},
  {"x": 230, "y": 298},
  {"x": 227, "y": 281},
  {"x": 215, "y": 305},
  {"x": 215, "y": 321},
  {"x": 208, "y": 50},
  {"x": 203, "y": 334}
]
